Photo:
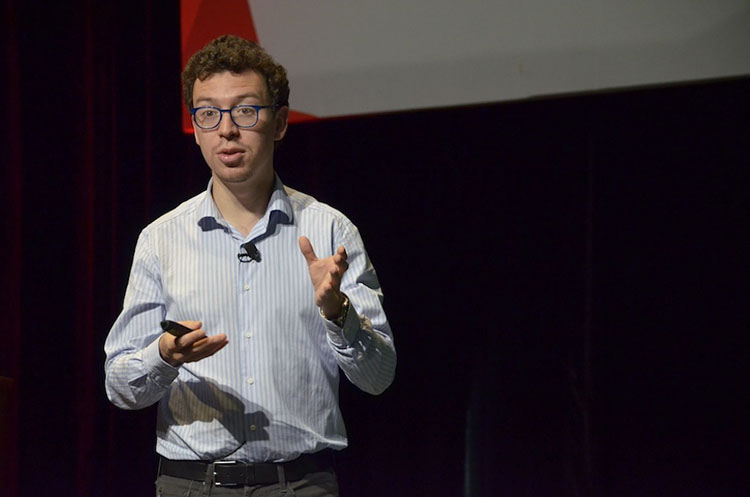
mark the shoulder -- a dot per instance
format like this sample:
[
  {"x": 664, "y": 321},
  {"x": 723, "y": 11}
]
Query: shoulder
[
  {"x": 312, "y": 216},
  {"x": 183, "y": 215},
  {"x": 307, "y": 206}
]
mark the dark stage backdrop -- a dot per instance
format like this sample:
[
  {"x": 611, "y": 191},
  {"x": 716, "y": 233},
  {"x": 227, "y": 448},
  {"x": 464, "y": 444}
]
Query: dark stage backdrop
[{"x": 566, "y": 278}]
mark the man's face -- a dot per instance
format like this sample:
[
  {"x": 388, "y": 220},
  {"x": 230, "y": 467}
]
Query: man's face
[{"x": 235, "y": 155}]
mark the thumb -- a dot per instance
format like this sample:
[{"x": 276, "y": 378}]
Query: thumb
[{"x": 307, "y": 250}]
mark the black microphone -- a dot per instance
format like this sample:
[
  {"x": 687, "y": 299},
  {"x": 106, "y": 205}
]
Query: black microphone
[{"x": 251, "y": 253}]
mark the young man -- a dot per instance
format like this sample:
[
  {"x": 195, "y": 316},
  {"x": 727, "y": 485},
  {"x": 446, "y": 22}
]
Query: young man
[{"x": 278, "y": 293}]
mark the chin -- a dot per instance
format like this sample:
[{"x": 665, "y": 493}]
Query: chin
[
  {"x": 233, "y": 178},
  {"x": 231, "y": 173}
]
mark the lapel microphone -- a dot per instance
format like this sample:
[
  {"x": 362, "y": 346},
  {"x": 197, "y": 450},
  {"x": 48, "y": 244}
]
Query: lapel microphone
[{"x": 251, "y": 253}]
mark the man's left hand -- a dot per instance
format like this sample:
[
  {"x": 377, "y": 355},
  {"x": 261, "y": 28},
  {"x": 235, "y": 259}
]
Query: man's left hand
[{"x": 326, "y": 275}]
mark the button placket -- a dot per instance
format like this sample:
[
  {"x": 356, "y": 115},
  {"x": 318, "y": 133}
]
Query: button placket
[{"x": 245, "y": 318}]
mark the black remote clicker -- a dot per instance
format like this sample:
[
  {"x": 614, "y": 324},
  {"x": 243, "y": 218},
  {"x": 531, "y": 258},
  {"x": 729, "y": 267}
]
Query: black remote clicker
[{"x": 174, "y": 328}]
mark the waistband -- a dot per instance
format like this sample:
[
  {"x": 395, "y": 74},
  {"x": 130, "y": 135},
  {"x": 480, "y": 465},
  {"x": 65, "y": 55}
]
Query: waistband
[{"x": 232, "y": 473}]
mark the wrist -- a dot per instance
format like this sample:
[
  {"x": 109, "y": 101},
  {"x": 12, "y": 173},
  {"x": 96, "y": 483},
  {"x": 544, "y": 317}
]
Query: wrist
[{"x": 339, "y": 312}]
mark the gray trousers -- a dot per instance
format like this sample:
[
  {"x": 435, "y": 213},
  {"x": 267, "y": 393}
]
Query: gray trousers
[{"x": 323, "y": 484}]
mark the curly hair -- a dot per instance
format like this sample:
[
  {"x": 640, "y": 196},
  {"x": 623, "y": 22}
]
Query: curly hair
[{"x": 237, "y": 55}]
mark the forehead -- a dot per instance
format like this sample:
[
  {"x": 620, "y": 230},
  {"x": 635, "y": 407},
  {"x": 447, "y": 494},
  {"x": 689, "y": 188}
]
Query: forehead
[{"x": 229, "y": 86}]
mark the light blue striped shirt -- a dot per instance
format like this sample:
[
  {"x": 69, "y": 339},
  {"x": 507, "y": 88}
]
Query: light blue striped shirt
[{"x": 272, "y": 392}]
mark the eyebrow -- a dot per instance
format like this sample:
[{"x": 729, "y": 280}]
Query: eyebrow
[{"x": 235, "y": 98}]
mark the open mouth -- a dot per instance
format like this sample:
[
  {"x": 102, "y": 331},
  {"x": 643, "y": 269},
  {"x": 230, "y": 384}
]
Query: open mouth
[{"x": 230, "y": 156}]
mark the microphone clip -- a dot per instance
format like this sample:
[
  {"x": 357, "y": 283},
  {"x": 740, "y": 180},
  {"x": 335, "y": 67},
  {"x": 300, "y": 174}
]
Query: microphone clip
[{"x": 251, "y": 253}]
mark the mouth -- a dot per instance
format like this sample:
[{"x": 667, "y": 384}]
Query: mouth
[{"x": 230, "y": 156}]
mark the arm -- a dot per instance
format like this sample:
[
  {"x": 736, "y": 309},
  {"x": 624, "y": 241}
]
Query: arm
[
  {"x": 362, "y": 344},
  {"x": 135, "y": 374},
  {"x": 142, "y": 362}
]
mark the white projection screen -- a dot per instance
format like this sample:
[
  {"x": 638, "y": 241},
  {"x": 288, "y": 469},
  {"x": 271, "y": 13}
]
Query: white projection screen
[{"x": 355, "y": 57}]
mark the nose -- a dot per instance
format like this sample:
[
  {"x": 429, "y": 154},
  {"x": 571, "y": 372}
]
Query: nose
[{"x": 227, "y": 128}]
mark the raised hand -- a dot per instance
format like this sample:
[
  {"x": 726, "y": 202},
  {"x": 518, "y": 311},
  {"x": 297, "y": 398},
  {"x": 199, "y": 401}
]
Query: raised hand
[{"x": 325, "y": 275}]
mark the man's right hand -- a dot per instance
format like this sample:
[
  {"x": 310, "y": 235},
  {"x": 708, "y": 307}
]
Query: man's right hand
[{"x": 190, "y": 347}]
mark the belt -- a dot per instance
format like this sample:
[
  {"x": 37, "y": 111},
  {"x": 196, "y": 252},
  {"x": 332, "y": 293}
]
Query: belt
[{"x": 233, "y": 473}]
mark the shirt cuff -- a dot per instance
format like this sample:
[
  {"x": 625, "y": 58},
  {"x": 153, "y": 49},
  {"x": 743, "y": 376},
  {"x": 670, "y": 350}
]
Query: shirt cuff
[
  {"x": 344, "y": 336},
  {"x": 160, "y": 371}
]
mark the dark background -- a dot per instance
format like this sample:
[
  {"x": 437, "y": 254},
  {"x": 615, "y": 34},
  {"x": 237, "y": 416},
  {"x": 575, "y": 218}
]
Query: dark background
[{"x": 565, "y": 277}]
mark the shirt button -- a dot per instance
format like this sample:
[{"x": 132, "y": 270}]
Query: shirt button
[
  {"x": 253, "y": 427},
  {"x": 247, "y": 288},
  {"x": 251, "y": 380},
  {"x": 248, "y": 335}
]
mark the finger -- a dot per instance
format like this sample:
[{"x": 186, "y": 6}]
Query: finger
[
  {"x": 193, "y": 325},
  {"x": 221, "y": 338},
  {"x": 206, "y": 347},
  {"x": 189, "y": 339},
  {"x": 215, "y": 346},
  {"x": 342, "y": 264},
  {"x": 307, "y": 249},
  {"x": 202, "y": 348},
  {"x": 342, "y": 252}
]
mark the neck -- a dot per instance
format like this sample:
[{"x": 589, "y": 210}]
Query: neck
[{"x": 242, "y": 205}]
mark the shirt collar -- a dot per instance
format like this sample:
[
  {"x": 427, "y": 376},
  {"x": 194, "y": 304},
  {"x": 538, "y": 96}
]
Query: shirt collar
[{"x": 278, "y": 211}]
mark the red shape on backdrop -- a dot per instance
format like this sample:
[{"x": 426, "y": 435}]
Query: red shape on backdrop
[
  {"x": 203, "y": 20},
  {"x": 296, "y": 116}
]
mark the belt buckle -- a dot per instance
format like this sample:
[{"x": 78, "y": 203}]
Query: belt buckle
[{"x": 217, "y": 481}]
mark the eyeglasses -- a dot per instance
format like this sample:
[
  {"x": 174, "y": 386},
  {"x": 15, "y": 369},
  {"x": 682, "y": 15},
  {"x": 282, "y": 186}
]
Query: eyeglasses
[{"x": 243, "y": 116}]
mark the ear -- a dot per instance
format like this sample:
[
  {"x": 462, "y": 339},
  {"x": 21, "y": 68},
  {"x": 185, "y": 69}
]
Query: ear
[{"x": 282, "y": 122}]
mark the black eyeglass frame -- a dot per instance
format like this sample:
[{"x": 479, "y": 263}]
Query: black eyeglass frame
[{"x": 221, "y": 111}]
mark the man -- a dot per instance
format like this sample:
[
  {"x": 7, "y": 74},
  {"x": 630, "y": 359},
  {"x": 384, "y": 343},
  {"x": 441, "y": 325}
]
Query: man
[{"x": 279, "y": 294}]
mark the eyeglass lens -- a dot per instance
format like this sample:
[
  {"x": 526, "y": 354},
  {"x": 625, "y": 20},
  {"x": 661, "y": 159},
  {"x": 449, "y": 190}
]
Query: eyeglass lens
[{"x": 242, "y": 115}]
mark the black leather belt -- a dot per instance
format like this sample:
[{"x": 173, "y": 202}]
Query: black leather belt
[{"x": 232, "y": 473}]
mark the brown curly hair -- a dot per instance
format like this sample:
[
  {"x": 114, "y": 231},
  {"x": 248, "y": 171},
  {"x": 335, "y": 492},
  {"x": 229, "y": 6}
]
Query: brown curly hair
[{"x": 237, "y": 55}]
